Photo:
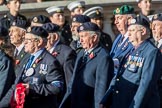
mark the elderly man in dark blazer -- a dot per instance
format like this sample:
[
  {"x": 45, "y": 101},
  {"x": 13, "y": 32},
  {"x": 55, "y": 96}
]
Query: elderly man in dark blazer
[
  {"x": 7, "y": 75},
  {"x": 92, "y": 72},
  {"x": 157, "y": 35},
  {"x": 41, "y": 76},
  {"x": 63, "y": 53},
  {"x": 135, "y": 85},
  {"x": 17, "y": 33}
]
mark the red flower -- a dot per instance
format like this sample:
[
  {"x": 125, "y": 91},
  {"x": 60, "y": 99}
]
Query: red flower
[
  {"x": 37, "y": 60},
  {"x": 17, "y": 62},
  {"x": 91, "y": 55},
  {"x": 55, "y": 54}
]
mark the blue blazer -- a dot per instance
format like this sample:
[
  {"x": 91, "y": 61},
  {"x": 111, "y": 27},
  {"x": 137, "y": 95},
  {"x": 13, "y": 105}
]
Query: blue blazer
[
  {"x": 120, "y": 51},
  {"x": 136, "y": 85},
  {"x": 89, "y": 81}
]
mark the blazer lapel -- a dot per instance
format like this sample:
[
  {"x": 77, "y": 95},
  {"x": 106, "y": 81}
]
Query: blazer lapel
[{"x": 90, "y": 57}]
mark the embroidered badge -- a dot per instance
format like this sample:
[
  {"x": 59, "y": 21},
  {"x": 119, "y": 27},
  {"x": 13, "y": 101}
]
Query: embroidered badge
[{"x": 29, "y": 72}]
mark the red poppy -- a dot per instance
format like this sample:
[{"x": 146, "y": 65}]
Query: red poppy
[
  {"x": 17, "y": 62},
  {"x": 91, "y": 55},
  {"x": 55, "y": 54},
  {"x": 37, "y": 60},
  {"x": 18, "y": 101}
]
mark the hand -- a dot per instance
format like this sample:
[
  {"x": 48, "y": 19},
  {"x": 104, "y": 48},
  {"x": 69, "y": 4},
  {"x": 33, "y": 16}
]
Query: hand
[{"x": 27, "y": 88}]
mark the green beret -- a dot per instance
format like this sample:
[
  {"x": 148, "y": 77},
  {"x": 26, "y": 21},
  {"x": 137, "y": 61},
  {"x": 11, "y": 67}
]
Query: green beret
[{"x": 125, "y": 9}]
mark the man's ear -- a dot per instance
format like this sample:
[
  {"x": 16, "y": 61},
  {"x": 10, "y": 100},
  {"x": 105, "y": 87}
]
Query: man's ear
[
  {"x": 56, "y": 36},
  {"x": 139, "y": 5},
  {"x": 40, "y": 41},
  {"x": 8, "y": 5},
  {"x": 143, "y": 31},
  {"x": 95, "y": 37}
]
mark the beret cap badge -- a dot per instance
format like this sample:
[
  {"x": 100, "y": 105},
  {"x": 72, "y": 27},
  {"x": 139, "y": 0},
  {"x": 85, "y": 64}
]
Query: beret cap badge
[
  {"x": 14, "y": 23},
  {"x": 58, "y": 11},
  {"x": 29, "y": 29},
  {"x": 117, "y": 10},
  {"x": 35, "y": 19},
  {"x": 81, "y": 28},
  {"x": 133, "y": 21},
  {"x": 79, "y": 6},
  {"x": 74, "y": 19},
  {"x": 97, "y": 12},
  {"x": 155, "y": 16}
]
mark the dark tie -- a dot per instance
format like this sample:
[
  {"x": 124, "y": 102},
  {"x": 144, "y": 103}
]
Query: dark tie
[
  {"x": 85, "y": 57},
  {"x": 156, "y": 43},
  {"x": 120, "y": 41},
  {"x": 29, "y": 62}
]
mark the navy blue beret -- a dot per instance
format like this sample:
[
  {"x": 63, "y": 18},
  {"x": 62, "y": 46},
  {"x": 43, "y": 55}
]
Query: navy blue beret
[
  {"x": 50, "y": 27},
  {"x": 141, "y": 20},
  {"x": 81, "y": 19},
  {"x": 3, "y": 32},
  {"x": 40, "y": 19},
  {"x": 20, "y": 23},
  {"x": 39, "y": 31},
  {"x": 157, "y": 17},
  {"x": 88, "y": 26}
]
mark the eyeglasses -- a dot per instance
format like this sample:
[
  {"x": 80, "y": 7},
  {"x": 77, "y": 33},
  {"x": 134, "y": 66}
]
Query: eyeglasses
[{"x": 30, "y": 40}]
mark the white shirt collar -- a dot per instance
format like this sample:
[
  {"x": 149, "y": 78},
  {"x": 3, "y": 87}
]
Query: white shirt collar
[
  {"x": 20, "y": 48},
  {"x": 52, "y": 49},
  {"x": 159, "y": 43}
]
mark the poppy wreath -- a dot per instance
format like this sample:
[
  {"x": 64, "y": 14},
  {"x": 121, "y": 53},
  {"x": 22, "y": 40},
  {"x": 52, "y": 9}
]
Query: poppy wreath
[{"x": 18, "y": 98}]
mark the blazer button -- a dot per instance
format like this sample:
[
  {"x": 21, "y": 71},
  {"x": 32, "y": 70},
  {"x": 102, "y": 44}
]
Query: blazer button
[
  {"x": 116, "y": 91},
  {"x": 117, "y": 79}
]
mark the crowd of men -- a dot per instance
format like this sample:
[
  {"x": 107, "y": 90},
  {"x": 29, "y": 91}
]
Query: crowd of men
[{"x": 49, "y": 62}]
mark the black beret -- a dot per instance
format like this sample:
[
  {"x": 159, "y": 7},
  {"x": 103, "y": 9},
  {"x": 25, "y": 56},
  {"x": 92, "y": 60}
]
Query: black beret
[
  {"x": 39, "y": 31},
  {"x": 157, "y": 17},
  {"x": 50, "y": 27},
  {"x": 3, "y": 32},
  {"x": 20, "y": 23},
  {"x": 141, "y": 20},
  {"x": 7, "y": 1},
  {"x": 81, "y": 19},
  {"x": 88, "y": 26},
  {"x": 42, "y": 19},
  {"x": 141, "y": 0}
]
